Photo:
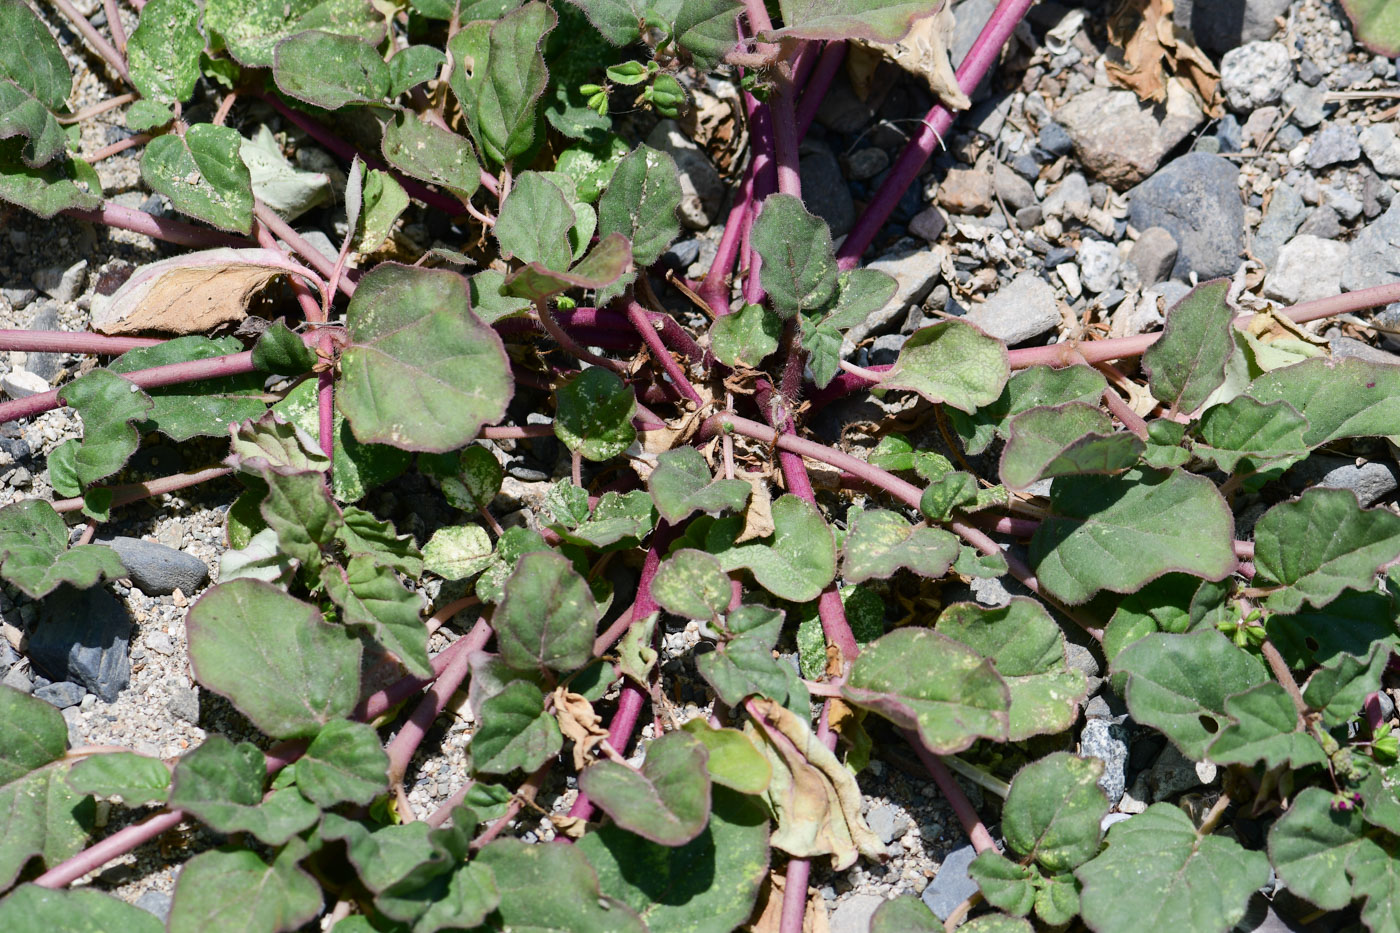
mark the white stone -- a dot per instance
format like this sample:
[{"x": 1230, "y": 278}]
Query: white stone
[
  {"x": 1069, "y": 275},
  {"x": 1098, "y": 265},
  {"x": 22, "y": 383},
  {"x": 1382, "y": 147},
  {"x": 1307, "y": 268},
  {"x": 1255, "y": 74}
]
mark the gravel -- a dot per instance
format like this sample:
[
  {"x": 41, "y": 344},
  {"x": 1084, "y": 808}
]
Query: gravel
[
  {"x": 1024, "y": 309},
  {"x": 1255, "y": 74},
  {"x": 1108, "y": 742},
  {"x": 1307, "y": 268}
]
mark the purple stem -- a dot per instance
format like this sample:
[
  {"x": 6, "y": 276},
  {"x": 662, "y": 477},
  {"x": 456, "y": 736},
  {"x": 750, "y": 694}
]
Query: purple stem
[
  {"x": 347, "y": 153},
  {"x": 62, "y": 341},
  {"x": 814, "y": 89},
  {"x": 974, "y": 67},
  {"x": 158, "y": 228},
  {"x": 662, "y": 355},
  {"x": 967, "y": 815},
  {"x": 714, "y": 290},
  {"x": 121, "y": 495},
  {"x": 310, "y": 254},
  {"x": 94, "y": 38},
  {"x": 114, "y": 846},
  {"x": 404, "y": 744},
  {"x": 779, "y": 107},
  {"x": 380, "y": 702}
]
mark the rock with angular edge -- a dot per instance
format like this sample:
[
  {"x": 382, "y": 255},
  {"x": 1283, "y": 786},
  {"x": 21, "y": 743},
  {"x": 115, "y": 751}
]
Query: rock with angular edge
[
  {"x": 952, "y": 885},
  {"x": 1122, "y": 140},
  {"x": 83, "y": 636},
  {"x": 1374, "y": 257},
  {"x": 1197, "y": 199},
  {"x": 1307, "y": 268},
  {"x": 1221, "y": 25},
  {"x": 916, "y": 269},
  {"x": 701, "y": 188},
  {"x": 1382, "y": 148},
  {"x": 1285, "y": 214},
  {"x": 1153, "y": 255},
  {"x": 1023, "y": 309}
]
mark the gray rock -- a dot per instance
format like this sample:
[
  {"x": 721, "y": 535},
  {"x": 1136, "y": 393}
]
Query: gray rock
[
  {"x": 1069, "y": 198},
  {"x": 60, "y": 284},
  {"x": 824, "y": 187},
  {"x": 157, "y": 570},
  {"x": 990, "y": 591},
  {"x": 887, "y": 822},
  {"x": 1153, "y": 255},
  {"x": 1055, "y": 139},
  {"x": 1347, "y": 205},
  {"x": 1307, "y": 268},
  {"x": 1098, "y": 265},
  {"x": 1028, "y": 217},
  {"x": 1013, "y": 189},
  {"x": 1371, "y": 480},
  {"x": 1023, "y": 309},
  {"x": 63, "y": 694},
  {"x": 18, "y": 679},
  {"x": 1308, "y": 72},
  {"x": 1173, "y": 773},
  {"x": 1122, "y": 140},
  {"x": 972, "y": 15},
  {"x": 841, "y": 111},
  {"x": 854, "y": 913},
  {"x": 1374, "y": 258},
  {"x": 160, "y": 643},
  {"x": 929, "y": 224},
  {"x": 19, "y": 298},
  {"x": 21, "y": 383},
  {"x": 916, "y": 270},
  {"x": 885, "y": 349},
  {"x": 1221, "y": 25},
  {"x": 184, "y": 703},
  {"x": 1255, "y": 75},
  {"x": 83, "y": 635},
  {"x": 45, "y": 365},
  {"x": 1309, "y": 104},
  {"x": 1196, "y": 198},
  {"x": 1336, "y": 143},
  {"x": 155, "y": 902},
  {"x": 1382, "y": 148},
  {"x": 702, "y": 191},
  {"x": 952, "y": 885},
  {"x": 8, "y": 656},
  {"x": 1322, "y": 223},
  {"x": 1108, "y": 742},
  {"x": 866, "y": 163},
  {"x": 1349, "y": 348}
]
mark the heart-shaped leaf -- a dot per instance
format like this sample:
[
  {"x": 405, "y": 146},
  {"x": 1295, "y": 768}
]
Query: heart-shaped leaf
[
  {"x": 1245, "y": 434},
  {"x": 1063, "y": 441},
  {"x": 373, "y": 600},
  {"x": 595, "y": 414},
  {"x": 691, "y": 583},
  {"x": 506, "y": 80},
  {"x": 31, "y": 58},
  {"x": 458, "y": 552},
  {"x": 34, "y": 552},
  {"x": 746, "y": 336},
  {"x": 274, "y": 657},
  {"x": 667, "y": 801},
  {"x": 227, "y": 887},
  {"x": 547, "y": 617},
  {"x": 1339, "y": 397},
  {"x": 1053, "y": 811},
  {"x": 1030, "y": 388},
  {"x": 953, "y": 363},
  {"x": 534, "y": 223},
  {"x": 222, "y": 784},
  {"x": 928, "y": 682},
  {"x": 681, "y": 484},
  {"x": 202, "y": 175},
  {"x": 801, "y": 559},
  {"x": 58, "y": 186},
  {"x": 163, "y": 52},
  {"x": 799, "y": 265},
  {"x": 432, "y": 154},
  {"x": 879, "y": 543},
  {"x": 421, "y": 371},
  {"x": 108, "y": 405},
  {"x": 515, "y": 732},
  {"x": 641, "y": 203}
]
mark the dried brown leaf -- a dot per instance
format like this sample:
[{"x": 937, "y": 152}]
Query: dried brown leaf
[
  {"x": 1155, "y": 48},
  {"x": 768, "y": 914},
  {"x": 758, "y": 514},
  {"x": 579, "y": 722},
  {"x": 923, "y": 53}
]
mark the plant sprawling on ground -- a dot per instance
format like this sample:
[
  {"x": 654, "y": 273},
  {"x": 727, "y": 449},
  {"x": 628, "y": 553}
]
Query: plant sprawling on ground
[{"x": 1262, "y": 657}]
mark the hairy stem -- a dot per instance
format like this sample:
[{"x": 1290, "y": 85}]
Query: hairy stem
[
  {"x": 404, "y": 744},
  {"x": 814, "y": 89},
  {"x": 638, "y": 316},
  {"x": 158, "y": 228},
  {"x": 94, "y": 38},
  {"x": 62, "y": 341},
  {"x": 133, "y": 492},
  {"x": 114, "y": 846}
]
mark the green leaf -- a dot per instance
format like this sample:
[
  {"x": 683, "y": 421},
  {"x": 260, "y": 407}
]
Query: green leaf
[
  {"x": 1264, "y": 728},
  {"x": 202, "y": 175},
  {"x": 690, "y": 583},
  {"x": 205, "y": 408},
  {"x": 39, "y": 814},
  {"x": 1339, "y": 397},
  {"x": 252, "y": 28},
  {"x": 922, "y": 680},
  {"x": 1053, "y": 811},
  {"x": 1347, "y": 625},
  {"x": 879, "y": 543},
  {"x": 108, "y": 405},
  {"x": 681, "y": 484},
  {"x": 1340, "y": 688},
  {"x": 513, "y": 544},
  {"x": 432, "y": 154},
  {"x": 299, "y": 508},
  {"x": 136, "y": 779},
  {"x": 948, "y": 494},
  {"x": 23, "y": 116},
  {"x": 733, "y": 761},
  {"x": 1005, "y": 884},
  {"x": 32, "y": 909},
  {"x": 547, "y": 887},
  {"x": 609, "y": 260},
  {"x": 801, "y": 559},
  {"x": 1376, "y": 23},
  {"x": 35, "y": 557},
  {"x": 421, "y": 371},
  {"x": 1158, "y": 873},
  {"x": 894, "y": 452},
  {"x": 595, "y": 413},
  {"x": 953, "y": 363},
  {"x": 547, "y": 618},
  {"x": 1033, "y": 387},
  {"x": 46, "y": 191},
  {"x": 534, "y": 223},
  {"x": 344, "y": 763},
  {"x": 1179, "y": 684},
  {"x": 799, "y": 264},
  {"x": 710, "y": 883},
  {"x": 384, "y": 201},
  {"x": 746, "y": 336},
  {"x": 861, "y": 292},
  {"x": 288, "y": 190},
  {"x": 373, "y": 600},
  {"x": 641, "y": 203},
  {"x": 221, "y": 784},
  {"x": 476, "y": 481},
  {"x": 592, "y": 161},
  {"x": 235, "y": 889},
  {"x": 413, "y": 66},
  {"x": 506, "y": 83},
  {"x": 1320, "y": 544},
  {"x": 1120, "y": 532},
  {"x": 743, "y": 665},
  {"x": 667, "y": 801},
  {"x": 163, "y": 53},
  {"x": 905, "y": 914},
  {"x": 1071, "y": 439},
  {"x": 823, "y": 345},
  {"x": 1188, "y": 363},
  {"x": 273, "y": 444},
  {"x": 356, "y": 468},
  {"x": 873, "y": 20},
  {"x": 1244, "y": 434},
  {"x": 458, "y": 551},
  {"x": 707, "y": 29},
  {"x": 618, "y": 21},
  {"x": 1028, "y": 651},
  {"x": 1312, "y": 848},
  {"x": 1057, "y": 900},
  {"x": 273, "y": 657},
  {"x": 31, "y": 58}
]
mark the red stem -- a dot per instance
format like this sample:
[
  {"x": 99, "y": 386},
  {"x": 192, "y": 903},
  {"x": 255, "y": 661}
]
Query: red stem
[
  {"x": 381, "y": 701},
  {"x": 815, "y": 88},
  {"x": 94, "y": 38},
  {"x": 404, "y": 744},
  {"x": 114, "y": 846},
  {"x": 62, "y": 341},
  {"x": 660, "y": 354},
  {"x": 158, "y": 228},
  {"x": 935, "y": 126},
  {"x": 967, "y": 815},
  {"x": 132, "y": 492}
]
